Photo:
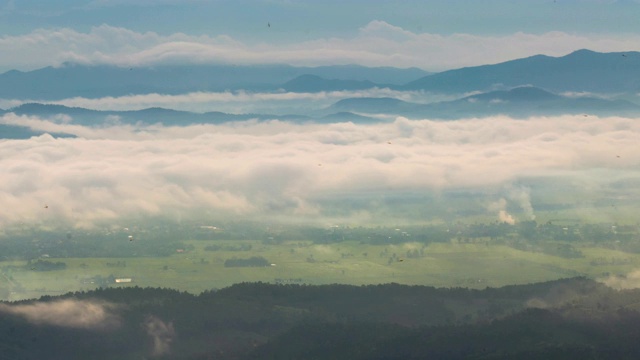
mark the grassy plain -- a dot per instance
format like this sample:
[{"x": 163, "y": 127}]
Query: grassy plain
[
  {"x": 476, "y": 265},
  {"x": 440, "y": 264}
]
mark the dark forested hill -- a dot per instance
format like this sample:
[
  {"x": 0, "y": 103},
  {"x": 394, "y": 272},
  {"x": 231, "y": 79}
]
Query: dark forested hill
[
  {"x": 531, "y": 334},
  {"x": 558, "y": 319}
]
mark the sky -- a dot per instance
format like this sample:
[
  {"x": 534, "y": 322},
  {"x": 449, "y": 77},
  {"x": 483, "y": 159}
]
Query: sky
[{"x": 433, "y": 35}]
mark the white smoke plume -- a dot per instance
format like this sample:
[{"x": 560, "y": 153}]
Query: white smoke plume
[
  {"x": 628, "y": 281},
  {"x": 500, "y": 207},
  {"x": 505, "y": 217},
  {"x": 161, "y": 333},
  {"x": 522, "y": 196}
]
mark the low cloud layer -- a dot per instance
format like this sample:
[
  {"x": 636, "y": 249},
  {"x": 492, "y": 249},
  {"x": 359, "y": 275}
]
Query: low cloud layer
[
  {"x": 113, "y": 173},
  {"x": 230, "y": 102},
  {"x": 376, "y": 44},
  {"x": 82, "y": 314}
]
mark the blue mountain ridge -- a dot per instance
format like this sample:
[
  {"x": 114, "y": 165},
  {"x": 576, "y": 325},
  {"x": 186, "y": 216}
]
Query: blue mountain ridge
[
  {"x": 579, "y": 71},
  {"x": 74, "y": 80},
  {"x": 518, "y": 102}
]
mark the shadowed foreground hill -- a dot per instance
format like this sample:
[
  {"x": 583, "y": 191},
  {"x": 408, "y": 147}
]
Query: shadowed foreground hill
[
  {"x": 558, "y": 319},
  {"x": 531, "y": 334}
]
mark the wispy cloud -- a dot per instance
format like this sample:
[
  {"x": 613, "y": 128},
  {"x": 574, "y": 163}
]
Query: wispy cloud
[
  {"x": 274, "y": 168},
  {"x": 228, "y": 101},
  {"x": 83, "y": 314},
  {"x": 376, "y": 44}
]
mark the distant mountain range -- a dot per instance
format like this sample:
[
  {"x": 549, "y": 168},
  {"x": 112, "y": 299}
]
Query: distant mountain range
[
  {"x": 74, "y": 80},
  {"x": 166, "y": 117},
  {"x": 538, "y": 85},
  {"x": 580, "y": 71},
  {"x": 518, "y": 102},
  {"x": 313, "y": 83}
]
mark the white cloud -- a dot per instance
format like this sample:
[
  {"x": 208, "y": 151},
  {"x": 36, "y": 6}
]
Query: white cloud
[
  {"x": 161, "y": 333},
  {"x": 276, "y": 168},
  {"x": 231, "y": 102},
  {"x": 83, "y": 314},
  {"x": 376, "y": 44}
]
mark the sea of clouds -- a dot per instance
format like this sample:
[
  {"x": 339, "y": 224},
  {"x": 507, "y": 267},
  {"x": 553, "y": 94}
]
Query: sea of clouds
[{"x": 110, "y": 173}]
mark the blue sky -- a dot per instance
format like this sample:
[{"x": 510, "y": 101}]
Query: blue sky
[
  {"x": 426, "y": 33},
  {"x": 296, "y": 18}
]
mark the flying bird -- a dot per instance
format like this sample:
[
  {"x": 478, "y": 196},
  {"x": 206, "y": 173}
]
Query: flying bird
[{"x": 268, "y": 24}]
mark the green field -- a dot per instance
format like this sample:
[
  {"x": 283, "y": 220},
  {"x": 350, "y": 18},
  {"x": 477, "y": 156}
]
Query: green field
[{"x": 302, "y": 262}]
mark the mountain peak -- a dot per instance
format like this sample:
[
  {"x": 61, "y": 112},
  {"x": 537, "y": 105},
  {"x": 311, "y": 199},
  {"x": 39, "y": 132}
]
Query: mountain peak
[
  {"x": 581, "y": 52},
  {"x": 581, "y": 70}
]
